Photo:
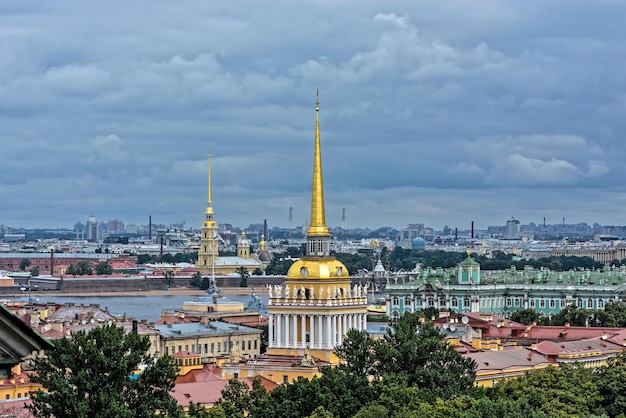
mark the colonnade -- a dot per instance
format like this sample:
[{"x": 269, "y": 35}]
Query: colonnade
[{"x": 324, "y": 331}]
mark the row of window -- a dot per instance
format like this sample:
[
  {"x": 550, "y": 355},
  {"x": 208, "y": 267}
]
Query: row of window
[
  {"x": 212, "y": 348},
  {"x": 499, "y": 302}
]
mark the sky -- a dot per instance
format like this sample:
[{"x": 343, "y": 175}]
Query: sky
[{"x": 434, "y": 112}]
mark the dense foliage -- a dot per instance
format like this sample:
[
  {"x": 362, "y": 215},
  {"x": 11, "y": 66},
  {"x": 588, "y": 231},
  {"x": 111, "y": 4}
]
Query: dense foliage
[
  {"x": 414, "y": 373},
  {"x": 89, "y": 376},
  {"x": 613, "y": 315}
]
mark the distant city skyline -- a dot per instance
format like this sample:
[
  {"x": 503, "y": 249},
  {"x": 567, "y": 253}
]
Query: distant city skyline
[{"x": 435, "y": 112}]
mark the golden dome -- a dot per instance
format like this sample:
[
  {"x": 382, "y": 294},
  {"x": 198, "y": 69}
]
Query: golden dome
[
  {"x": 325, "y": 268},
  {"x": 209, "y": 210}
]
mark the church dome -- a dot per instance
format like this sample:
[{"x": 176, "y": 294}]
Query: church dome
[
  {"x": 329, "y": 268},
  {"x": 418, "y": 244},
  {"x": 265, "y": 256}
]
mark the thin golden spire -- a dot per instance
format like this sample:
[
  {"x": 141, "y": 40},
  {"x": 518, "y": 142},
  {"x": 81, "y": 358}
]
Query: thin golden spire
[
  {"x": 210, "y": 191},
  {"x": 318, "y": 213}
]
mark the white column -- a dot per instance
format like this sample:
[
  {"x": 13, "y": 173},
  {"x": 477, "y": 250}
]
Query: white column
[
  {"x": 320, "y": 331},
  {"x": 365, "y": 322},
  {"x": 270, "y": 329},
  {"x": 333, "y": 324},
  {"x": 312, "y": 339},
  {"x": 279, "y": 331},
  {"x": 303, "y": 331},
  {"x": 286, "y": 339},
  {"x": 295, "y": 330},
  {"x": 344, "y": 326},
  {"x": 328, "y": 332}
]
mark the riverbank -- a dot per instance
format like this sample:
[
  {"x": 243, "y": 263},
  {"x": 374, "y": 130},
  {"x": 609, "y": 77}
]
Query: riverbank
[{"x": 172, "y": 291}]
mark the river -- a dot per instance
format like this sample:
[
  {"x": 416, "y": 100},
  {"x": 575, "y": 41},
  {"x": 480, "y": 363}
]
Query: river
[{"x": 139, "y": 307}]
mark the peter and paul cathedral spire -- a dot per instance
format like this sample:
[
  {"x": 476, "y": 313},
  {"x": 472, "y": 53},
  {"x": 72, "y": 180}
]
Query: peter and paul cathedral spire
[{"x": 208, "y": 251}]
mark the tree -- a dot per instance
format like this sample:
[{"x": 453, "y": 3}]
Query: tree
[
  {"x": 103, "y": 267},
  {"x": 34, "y": 272},
  {"x": 196, "y": 280},
  {"x": 24, "y": 264},
  {"x": 83, "y": 268},
  {"x": 257, "y": 272},
  {"x": 168, "y": 278},
  {"x": 238, "y": 400},
  {"x": 244, "y": 274},
  {"x": 529, "y": 316},
  {"x": 418, "y": 354},
  {"x": 89, "y": 375}
]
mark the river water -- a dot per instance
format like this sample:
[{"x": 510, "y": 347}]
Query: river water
[{"x": 139, "y": 307}]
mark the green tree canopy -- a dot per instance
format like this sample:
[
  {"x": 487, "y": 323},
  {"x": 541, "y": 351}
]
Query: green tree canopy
[
  {"x": 89, "y": 376},
  {"x": 103, "y": 267},
  {"x": 24, "y": 264}
]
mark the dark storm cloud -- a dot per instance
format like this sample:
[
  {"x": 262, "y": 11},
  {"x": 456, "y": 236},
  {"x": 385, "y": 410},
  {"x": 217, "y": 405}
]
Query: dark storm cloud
[{"x": 434, "y": 112}]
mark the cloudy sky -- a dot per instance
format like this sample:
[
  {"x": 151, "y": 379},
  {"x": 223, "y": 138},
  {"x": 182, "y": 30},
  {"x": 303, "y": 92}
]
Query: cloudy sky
[{"x": 435, "y": 112}]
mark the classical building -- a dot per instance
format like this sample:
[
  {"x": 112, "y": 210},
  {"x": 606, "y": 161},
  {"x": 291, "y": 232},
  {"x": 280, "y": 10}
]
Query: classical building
[
  {"x": 465, "y": 289},
  {"x": 209, "y": 261},
  {"x": 209, "y": 339},
  {"x": 312, "y": 312}
]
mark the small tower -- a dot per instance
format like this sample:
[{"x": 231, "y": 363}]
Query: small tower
[
  {"x": 243, "y": 247},
  {"x": 468, "y": 271}
]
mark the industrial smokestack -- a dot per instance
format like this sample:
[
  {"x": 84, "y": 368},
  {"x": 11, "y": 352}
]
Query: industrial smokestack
[
  {"x": 265, "y": 229},
  {"x": 456, "y": 233},
  {"x": 150, "y": 227},
  {"x": 472, "y": 229},
  {"x": 343, "y": 219}
]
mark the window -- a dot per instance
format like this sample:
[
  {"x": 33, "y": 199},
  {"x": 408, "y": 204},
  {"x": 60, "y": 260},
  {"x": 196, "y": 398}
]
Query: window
[
  {"x": 193, "y": 348},
  {"x": 509, "y": 302},
  {"x": 395, "y": 301},
  {"x": 255, "y": 344},
  {"x": 589, "y": 303},
  {"x": 285, "y": 378},
  {"x": 442, "y": 303},
  {"x": 236, "y": 375},
  {"x": 6, "y": 396},
  {"x": 225, "y": 347},
  {"x": 180, "y": 348},
  {"x": 466, "y": 303},
  {"x": 431, "y": 302},
  {"x": 455, "y": 303},
  {"x": 395, "y": 315},
  {"x": 186, "y": 347},
  {"x": 206, "y": 348},
  {"x": 552, "y": 303},
  {"x": 542, "y": 303},
  {"x": 213, "y": 347},
  {"x": 532, "y": 303},
  {"x": 167, "y": 350},
  {"x": 517, "y": 302},
  {"x": 563, "y": 303},
  {"x": 600, "y": 303},
  {"x": 243, "y": 345},
  {"x": 407, "y": 301}
]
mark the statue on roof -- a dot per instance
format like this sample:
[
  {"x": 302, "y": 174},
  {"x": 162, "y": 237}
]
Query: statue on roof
[
  {"x": 307, "y": 359},
  {"x": 235, "y": 355}
]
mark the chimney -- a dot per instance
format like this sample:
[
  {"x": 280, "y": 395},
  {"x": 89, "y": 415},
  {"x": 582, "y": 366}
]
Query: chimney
[
  {"x": 150, "y": 228},
  {"x": 134, "y": 326},
  {"x": 456, "y": 234},
  {"x": 472, "y": 229}
]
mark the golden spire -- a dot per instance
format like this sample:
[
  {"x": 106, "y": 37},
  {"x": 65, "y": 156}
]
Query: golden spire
[
  {"x": 209, "y": 209},
  {"x": 210, "y": 194},
  {"x": 318, "y": 214}
]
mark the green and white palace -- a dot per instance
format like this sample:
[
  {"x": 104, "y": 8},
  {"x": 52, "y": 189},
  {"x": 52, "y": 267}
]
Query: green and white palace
[{"x": 465, "y": 288}]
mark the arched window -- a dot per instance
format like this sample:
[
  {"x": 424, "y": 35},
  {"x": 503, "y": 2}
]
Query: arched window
[{"x": 395, "y": 301}]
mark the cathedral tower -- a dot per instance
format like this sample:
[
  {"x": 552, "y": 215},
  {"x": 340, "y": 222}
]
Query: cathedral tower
[
  {"x": 208, "y": 252},
  {"x": 317, "y": 305}
]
